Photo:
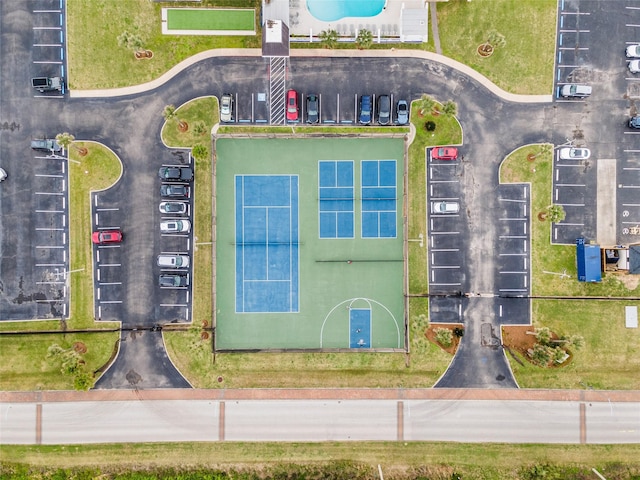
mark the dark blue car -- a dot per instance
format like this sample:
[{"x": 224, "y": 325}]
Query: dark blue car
[{"x": 366, "y": 103}]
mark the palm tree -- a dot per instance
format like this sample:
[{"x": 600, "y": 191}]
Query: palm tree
[
  {"x": 426, "y": 104},
  {"x": 65, "y": 140},
  {"x": 364, "y": 39},
  {"x": 450, "y": 108},
  {"x": 496, "y": 39},
  {"x": 329, "y": 38},
  {"x": 555, "y": 213},
  {"x": 199, "y": 152},
  {"x": 169, "y": 113},
  {"x": 130, "y": 41}
]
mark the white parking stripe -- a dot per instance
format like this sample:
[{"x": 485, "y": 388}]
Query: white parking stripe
[
  {"x": 49, "y": 211},
  {"x": 49, "y": 176},
  {"x": 110, "y": 283},
  {"x": 445, "y": 266},
  {"x": 174, "y": 305},
  {"x": 49, "y": 264},
  {"x": 111, "y": 301},
  {"x": 110, "y": 265},
  {"x": 49, "y": 246},
  {"x": 50, "y": 229}
]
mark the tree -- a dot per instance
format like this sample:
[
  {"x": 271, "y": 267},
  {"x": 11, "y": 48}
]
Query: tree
[
  {"x": 199, "y": 152},
  {"x": 555, "y": 213},
  {"x": 329, "y": 38},
  {"x": 169, "y": 113},
  {"x": 364, "y": 39},
  {"x": 199, "y": 128},
  {"x": 543, "y": 335},
  {"x": 496, "y": 39},
  {"x": 541, "y": 354},
  {"x": 426, "y": 104},
  {"x": 450, "y": 108},
  {"x": 131, "y": 41},
  {"x": 65, "y": 140}
]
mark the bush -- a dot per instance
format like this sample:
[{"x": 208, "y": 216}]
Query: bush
[
  {"x": 458, "y": 332},
  {"x": 430, "y": 126},
  {"x": 444, "y": 337}
]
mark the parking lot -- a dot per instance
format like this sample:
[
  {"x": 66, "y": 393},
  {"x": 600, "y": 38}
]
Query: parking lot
[
  {"x": 48, "y": 42},
  {"x": 50, "y": 238}
]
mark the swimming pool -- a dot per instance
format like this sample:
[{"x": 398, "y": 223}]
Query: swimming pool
[{"x": 332, "y": 10}]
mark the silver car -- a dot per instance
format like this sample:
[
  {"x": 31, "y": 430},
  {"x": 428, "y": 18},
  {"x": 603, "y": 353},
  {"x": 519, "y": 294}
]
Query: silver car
[
  {"x": 633, "y": 51},
  {"x": 634, "y": 66},
  {"x": 226, "y": 108},
  {"x": 175, "y": 226},
  {"x": 173, "y": 261},
  {"x": 445, "y": 207}
]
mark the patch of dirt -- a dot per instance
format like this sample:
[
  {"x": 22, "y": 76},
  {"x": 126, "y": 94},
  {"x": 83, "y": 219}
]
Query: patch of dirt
[
  {"x": 516, "y": 338},
  {"x": 80, "y": 347},
  {"x": 431, "y": 336},
  {"x": 629, "y": 281}
]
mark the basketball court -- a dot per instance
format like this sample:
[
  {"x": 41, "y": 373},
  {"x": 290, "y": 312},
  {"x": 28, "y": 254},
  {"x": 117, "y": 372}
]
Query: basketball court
[{"x": 309, "y": 244}]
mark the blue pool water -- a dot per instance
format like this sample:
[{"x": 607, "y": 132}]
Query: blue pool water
[{"x": 332, "y": 10}]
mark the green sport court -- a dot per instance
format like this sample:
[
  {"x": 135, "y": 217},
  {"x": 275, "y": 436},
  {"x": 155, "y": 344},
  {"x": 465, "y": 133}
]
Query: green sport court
[
  {"x": 208, "y": 21},
  {"x": 309, "y": 244}
]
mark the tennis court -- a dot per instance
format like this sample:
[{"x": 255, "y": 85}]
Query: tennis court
[
  {"x": 309, "y": 244},
  {"x": 208, "y": 21}
]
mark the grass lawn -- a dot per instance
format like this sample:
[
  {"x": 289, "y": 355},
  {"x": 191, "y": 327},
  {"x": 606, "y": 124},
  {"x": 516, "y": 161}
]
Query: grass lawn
[
  {"x": 97, "y": 61},
  {"x": 410, "y": 460},
  {"x": 610, "y": 356},
  {"x": 28, "y": 369},
  {"x": 525, "y": 64},
  {"x": 210, "y": 19}
]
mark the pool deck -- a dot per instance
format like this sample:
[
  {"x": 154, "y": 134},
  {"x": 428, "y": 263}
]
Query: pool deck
[{"x": 386, "y": 23}]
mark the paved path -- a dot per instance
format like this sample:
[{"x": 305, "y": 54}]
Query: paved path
[{"x": 434, "y": 27}]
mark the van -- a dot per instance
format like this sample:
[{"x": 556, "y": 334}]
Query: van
[{"x": 575, "y": 91}]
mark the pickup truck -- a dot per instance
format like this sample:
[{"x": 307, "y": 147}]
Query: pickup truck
[
  {"x": 49, "y": 145},
  {"x": 47, "y": 84}
]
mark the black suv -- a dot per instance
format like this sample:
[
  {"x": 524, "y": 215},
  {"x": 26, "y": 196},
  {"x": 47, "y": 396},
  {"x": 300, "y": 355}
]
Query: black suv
[
  {"x": 312, "y": 108},
  {"x": 172, "y": 190},
  {"x": 183, "y": 174},
  {"x": 173, "y": 280},
  {"x": 384, "y": 110}
]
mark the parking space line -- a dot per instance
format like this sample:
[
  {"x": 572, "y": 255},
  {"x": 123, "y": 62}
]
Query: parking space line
[
  {"x": 110, "y": 283},
  {"x": 571, "y": 204},
  {"x": 570, "y": 224},
  {"x": 513, "y": 290},
  {"x": 49, "y": 264},
  {"x": 110, "y": 301},
  {"x": 445, "y": 233},
  {"x": 446, "y": 284},
  {"x": 512, "y": 271},
  {"x": 48, "y": 301},
  {"x": 49, "y": 246},
  {"x": 51, "y": 176},
  {"x": 445, "y": 181},
  {"x": 513, "y": 219},
  {"x": 110, "y": 265},
  {"x": 445, "y": 266},
  {"x": 174, "y": 304},
  {"x": 98, "y": 275},
  {"x": 632, "y": 25},
  {"x": 45, "y": 229},
  {"x": 570, "y": 185},
  {"x": 631, "y": 204},
  {"x": 50, "y": 211},
  {"x": 571, "y": 48},
  {"x": 49, "y": 283},
  {"x": 107, "y": 246},
  {"x": 576, "y": 165},
  {"x": 631, "y": 168},
  {"x": 630, "y": 186},
  {"x": 445, "y": 249},
  {"x": 41, "y": 62},
  {"x": 107, "y": 209},
  {"x": 511, "y": 254},
  {"x": 631, "y": 133},
  {"x": 49, "y": 193},
  {"x": 573, "y": 30}
]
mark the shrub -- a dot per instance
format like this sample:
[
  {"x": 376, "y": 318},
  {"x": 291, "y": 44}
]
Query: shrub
[{"x": 444, "y": 337}]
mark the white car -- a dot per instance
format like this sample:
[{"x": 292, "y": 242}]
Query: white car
[
  {"x": 173, "y": 261},
  {"x": 633, "y": 51},
  {"x": 445, "y": 207},
  {"x": 226, "y": 108},
  {"x": 573, "y": 153},
  {"x": 3, "y": 174},
  {"x": 175, "y": 226},
  {"x": 634, "y": 66}
]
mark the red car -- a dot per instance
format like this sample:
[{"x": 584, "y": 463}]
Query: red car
[
  {"x": 292, "y": 105},
  {"x": 106, "y": 236},
  {"x": 444, "y": 153}
]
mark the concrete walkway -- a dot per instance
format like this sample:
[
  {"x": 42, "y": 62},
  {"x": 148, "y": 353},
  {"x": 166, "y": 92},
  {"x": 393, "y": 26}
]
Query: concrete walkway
[{"x": 434, "y": 27}]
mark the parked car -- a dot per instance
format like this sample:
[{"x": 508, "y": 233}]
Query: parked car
[
  {"x": 173, "y": 261},
  {"x": 292, "y": 105},
  {"x": 402, "y": 112},
  {"x": 366, "y": 104},
  {"x": 226, "y": 108},
  {"x": 106, "y": 236},
  {"x": 47, "y": 84},
  {"x": 573, "y": 153},
  {"x": 634, "y": 122},
  {"x": 575, "y": 91},
  {"x": 173, "y": 280},
  {"x": 3, "y": 174},
  {"x": 312, "y": 108},
  {"x": 175, "y": 226},
  {"x": 445, "y": 207},
  {"x": 634, "y": 66},
  {"x": 46, "y": 144},
  {"x": 173, "y": 190},
  {"x": 444, "y": 153},
  {"x": 633, "y": 51},
  {"x": 384, "y": 110},
  {"x": 173, "y": 208},
  {"x": 184, "y": 174}
]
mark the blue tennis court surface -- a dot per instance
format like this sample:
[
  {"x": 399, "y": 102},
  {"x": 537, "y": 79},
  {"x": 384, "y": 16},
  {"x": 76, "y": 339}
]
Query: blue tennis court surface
[
  {"x": 379, "y": 198},
  {"x": 335, "y": 185},
  {"x": 266, "y": 215},
  {"x": 359, "y": 328}
]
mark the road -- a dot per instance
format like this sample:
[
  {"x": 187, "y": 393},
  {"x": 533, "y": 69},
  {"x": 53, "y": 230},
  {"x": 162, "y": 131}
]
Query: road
[{"x": 287, "y": 416}]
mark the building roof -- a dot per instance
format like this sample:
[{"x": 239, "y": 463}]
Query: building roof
[
  {"x": 588, "y": 258},
  {"x": 275, "y": 39},
  {"x": 414, "y": 25}
]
